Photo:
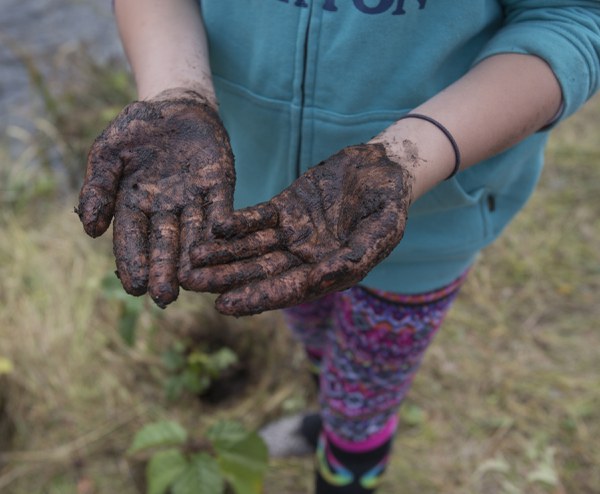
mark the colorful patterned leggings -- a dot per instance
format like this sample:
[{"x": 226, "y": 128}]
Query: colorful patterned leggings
[{"x": 368, "y": 345}]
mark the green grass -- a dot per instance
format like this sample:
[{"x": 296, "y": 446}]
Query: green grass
[{"x": 507, "y": 400}]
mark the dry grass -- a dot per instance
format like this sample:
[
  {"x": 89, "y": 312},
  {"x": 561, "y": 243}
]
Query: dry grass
[
  {"x": 507, "y": 402},
  {"x": 76, "y": 393}
]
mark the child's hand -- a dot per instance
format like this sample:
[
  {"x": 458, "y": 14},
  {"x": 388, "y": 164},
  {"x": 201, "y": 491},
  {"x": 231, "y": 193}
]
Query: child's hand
[
  {"x": 164, "y": 169},
  {"x": 323, "y": 233}
]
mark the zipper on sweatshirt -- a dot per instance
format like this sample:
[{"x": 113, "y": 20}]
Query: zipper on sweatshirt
[{"x": 302, "y": 98}]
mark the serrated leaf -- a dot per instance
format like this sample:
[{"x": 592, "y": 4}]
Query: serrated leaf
[
  {"x": 226, "y": 432},
  {"x": 246, "y": 485},
  {"x": 163, "y": 469},
  {"x": 243, "y": 463},
  {"x": 201, "y": 476},
  {"x": 157, "y": 434},
  {"x": 249, "y": 454}
]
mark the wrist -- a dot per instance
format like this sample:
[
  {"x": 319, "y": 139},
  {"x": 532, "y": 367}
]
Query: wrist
[
  {"x": 422, "y": 149},
  {"x": 178, "y": 89},
  {"x": 165, "y": 43},
  {"x": 183, "y": 93}
]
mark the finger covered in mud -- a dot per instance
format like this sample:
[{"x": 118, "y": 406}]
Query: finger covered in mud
[
  {"x": 192, "y": 228},
  {"x": 339, "y": 219},
  {"x": 245, "y": 221},
  {"x": 100, "y": 186},
  {"x": 224, "y": 277},
  {"x": 131, "y": 249},
  {"x": 225, "y": 251},
  {"x": 277, "y": 292},
  {"x": 95, "y": 211},
  {"x": 163, "y": 283}
]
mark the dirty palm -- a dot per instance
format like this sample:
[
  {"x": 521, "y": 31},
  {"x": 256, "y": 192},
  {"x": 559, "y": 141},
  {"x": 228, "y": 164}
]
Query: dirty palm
[
  {"x": 323, "y": 233},
  {"x": 163, "y": 171}
]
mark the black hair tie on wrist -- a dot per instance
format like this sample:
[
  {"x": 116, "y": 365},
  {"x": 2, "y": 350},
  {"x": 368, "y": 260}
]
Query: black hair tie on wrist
[{"x": 446, "y": 133}]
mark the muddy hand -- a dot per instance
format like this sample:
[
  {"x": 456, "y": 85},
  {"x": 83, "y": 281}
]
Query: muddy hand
[
  {"x": 323, "y": 233},
  {"x": 164, "y": 170}
]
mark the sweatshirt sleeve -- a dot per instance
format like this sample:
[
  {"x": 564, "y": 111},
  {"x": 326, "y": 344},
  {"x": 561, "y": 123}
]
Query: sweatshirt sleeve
[{"x": 566, "y": 34}]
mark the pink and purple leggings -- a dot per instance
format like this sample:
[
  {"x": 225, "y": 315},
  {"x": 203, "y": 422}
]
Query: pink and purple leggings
[{"x": 368, "y": 345}]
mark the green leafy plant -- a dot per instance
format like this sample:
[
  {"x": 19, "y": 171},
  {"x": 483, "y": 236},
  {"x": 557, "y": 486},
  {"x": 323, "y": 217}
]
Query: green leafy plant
[
  {"x": 228, "y": 455},
  {"x": 195, "y": 371},
  {"x": 190, "y": 369}
]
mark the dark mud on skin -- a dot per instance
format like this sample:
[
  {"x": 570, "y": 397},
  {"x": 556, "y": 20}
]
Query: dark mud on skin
[
  {"x": 164, "y": 169},
  {"x": 323, "y": 233}
]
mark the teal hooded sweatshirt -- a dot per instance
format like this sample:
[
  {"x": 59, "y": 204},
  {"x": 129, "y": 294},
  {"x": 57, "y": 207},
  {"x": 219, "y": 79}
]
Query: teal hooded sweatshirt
[{"x": 298, "y": 80}]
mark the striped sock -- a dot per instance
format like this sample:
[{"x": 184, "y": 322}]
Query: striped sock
[{"x": 345, "y": 467}]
